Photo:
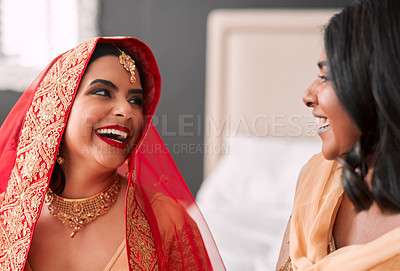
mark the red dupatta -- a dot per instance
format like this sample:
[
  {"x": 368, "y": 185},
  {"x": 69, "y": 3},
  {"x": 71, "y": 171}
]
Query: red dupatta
[{"x": 160, "y": 232}]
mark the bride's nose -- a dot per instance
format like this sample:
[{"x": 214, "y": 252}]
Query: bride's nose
[{"x": 123, "y": 108}]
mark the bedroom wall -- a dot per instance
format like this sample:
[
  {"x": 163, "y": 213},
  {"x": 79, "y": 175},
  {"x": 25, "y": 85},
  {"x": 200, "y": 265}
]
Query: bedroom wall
[
  {"x": 176, "y": 32},
  {"x": 7, "y": 99}
]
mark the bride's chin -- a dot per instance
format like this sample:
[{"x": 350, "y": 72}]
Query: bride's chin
[{"x": 111, "y": 162}]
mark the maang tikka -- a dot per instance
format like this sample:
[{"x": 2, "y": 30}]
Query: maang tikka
[{"x": 129, "y": 64}]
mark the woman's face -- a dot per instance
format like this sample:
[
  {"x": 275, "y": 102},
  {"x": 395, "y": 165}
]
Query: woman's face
[
  {"x": 106, "y": 118},
  {"x": 335, "y": 127}
]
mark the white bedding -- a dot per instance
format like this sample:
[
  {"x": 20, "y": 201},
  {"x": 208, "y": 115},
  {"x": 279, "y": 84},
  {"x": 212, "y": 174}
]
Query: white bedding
[{"x": 247, "y": 199}]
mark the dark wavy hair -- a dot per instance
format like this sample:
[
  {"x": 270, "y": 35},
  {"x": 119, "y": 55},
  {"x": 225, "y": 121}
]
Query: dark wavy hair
[
  {"x": 362, "y": 44},
  {"x": 57, "y": 181}
]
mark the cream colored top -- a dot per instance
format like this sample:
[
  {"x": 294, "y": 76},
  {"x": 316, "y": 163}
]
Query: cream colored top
[
  {"x": 119, "y": 262},
  {"x": 318, "y": 197}
]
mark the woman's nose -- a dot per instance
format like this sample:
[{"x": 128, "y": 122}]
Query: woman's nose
[
  {"x": 123, "y": 109},
  {"x": 310, "y": 95}
]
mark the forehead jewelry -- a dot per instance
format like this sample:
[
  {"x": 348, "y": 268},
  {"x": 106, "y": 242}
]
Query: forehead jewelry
[
  {"x": 129, "y": 64},
  {"x": 79, "y": 212}
]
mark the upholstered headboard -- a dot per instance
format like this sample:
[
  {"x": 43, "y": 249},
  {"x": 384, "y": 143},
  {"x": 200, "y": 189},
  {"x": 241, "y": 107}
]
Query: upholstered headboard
[
  {"x": 258, "y": 64},
  {"x": 258, "y": 133}
]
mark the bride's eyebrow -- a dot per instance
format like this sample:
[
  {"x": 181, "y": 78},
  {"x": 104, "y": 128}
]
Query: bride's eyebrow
[
  {"x": 113, "y": 86},
  {"x": 135, "y": 91},
  {"x": 105, "y": 82}
]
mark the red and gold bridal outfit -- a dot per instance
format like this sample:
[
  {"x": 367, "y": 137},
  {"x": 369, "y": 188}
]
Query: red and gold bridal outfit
[{"x": 160, "y": 234}]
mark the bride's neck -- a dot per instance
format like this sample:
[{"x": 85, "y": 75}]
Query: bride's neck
[{"x": 83, "y": 182}]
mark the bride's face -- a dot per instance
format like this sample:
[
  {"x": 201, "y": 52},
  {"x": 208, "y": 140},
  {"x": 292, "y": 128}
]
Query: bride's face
[{"x": 106, "y": 118}]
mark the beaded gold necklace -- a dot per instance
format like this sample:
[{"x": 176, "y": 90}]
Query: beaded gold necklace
[{"x": 79, "y": 212}]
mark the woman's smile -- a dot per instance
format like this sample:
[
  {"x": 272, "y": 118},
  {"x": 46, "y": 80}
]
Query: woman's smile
[
  {"x": 114, "y": 135},
  {"x": 323, "y": 124}
]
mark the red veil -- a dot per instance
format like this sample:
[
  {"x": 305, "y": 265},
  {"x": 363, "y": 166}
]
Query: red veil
[{"x": 164, "y": 227}]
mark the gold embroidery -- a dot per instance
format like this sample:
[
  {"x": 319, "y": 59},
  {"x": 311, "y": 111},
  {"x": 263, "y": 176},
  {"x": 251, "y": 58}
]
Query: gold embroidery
[
  {"x": 47, "y": 109},
  {"x": 186, "y": 248},
  {"x": 141, "y": 249},
  {"x": 287, "y": 266},
  {"x": 331, "y": 245},
  {"x": 36, "y": 154}
]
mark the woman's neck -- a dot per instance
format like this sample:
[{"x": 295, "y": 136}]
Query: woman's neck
[{"x": 81, "y": 181}]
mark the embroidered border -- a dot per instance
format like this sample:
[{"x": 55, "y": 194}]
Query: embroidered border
[
  {"x": 36, "y": 153},
  {"x": 141, "y": 249}
]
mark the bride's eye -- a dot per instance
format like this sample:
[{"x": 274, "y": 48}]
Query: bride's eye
[
  {"x": 101, "y": 92},
  {"x": 137, "y": 100}
]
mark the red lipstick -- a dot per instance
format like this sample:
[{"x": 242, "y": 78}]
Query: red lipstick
[{"x": 113, "y": 143}]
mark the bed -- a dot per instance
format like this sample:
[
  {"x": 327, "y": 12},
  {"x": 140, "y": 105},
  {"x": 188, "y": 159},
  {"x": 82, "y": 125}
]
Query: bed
[{"x": 258, "y": 133}]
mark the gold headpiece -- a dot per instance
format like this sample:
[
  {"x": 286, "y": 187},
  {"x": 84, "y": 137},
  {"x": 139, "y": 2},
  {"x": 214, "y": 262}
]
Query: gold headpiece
[
  {"x": 129, "y": 65},
  {"x": 79, "y": 212}
]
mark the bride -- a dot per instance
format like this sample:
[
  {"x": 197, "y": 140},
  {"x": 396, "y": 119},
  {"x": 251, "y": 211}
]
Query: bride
[{"x": 86, "y": 181}]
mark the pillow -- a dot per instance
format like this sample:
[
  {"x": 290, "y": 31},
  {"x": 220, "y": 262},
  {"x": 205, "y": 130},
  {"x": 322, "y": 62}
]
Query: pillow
[{"x": 247, "y": 199}]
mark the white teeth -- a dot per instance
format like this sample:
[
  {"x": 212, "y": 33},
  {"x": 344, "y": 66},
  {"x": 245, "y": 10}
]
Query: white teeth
[
  {"x": 326, "y": 122},
  {"x": 323, "y": 124},
  {"x": 121, "y": 134},
  {"x": 321, "y": 121}
]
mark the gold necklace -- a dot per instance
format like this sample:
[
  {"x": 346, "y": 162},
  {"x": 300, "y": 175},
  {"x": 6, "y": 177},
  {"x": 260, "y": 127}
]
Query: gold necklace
[{"x": 79, "y": 212}]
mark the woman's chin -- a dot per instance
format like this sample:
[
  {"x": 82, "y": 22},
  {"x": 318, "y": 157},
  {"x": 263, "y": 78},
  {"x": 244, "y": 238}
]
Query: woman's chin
[
  {"x": 328, "y": 152},
  {"x": 111, "y": 162},
  {"x": 328, "y": 145}
]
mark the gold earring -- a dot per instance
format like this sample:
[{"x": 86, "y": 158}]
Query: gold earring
[{"x": 60, "y": 160}]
